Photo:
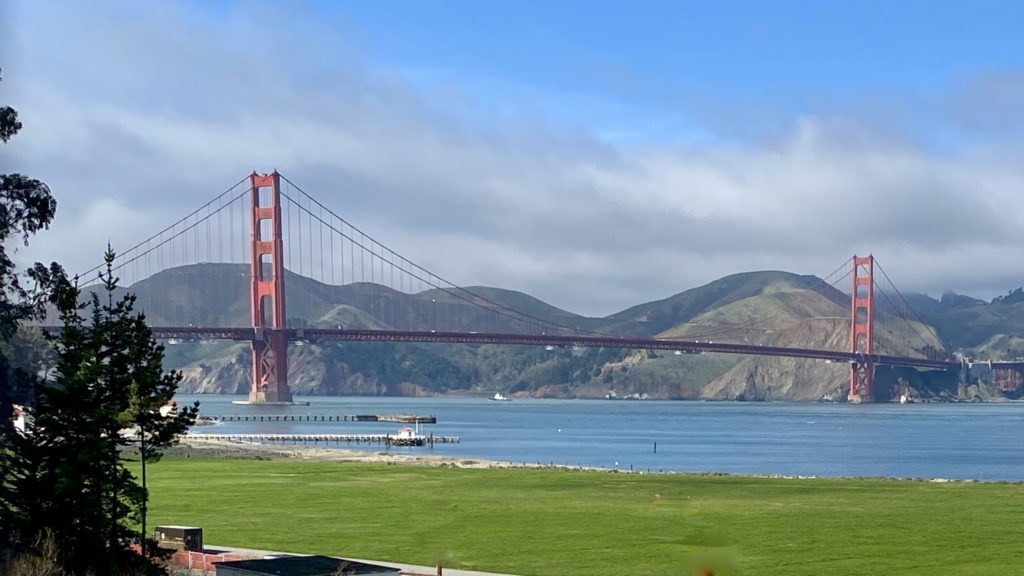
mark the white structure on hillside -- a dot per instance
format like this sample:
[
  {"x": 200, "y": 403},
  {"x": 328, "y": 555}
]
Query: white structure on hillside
[{"x": 22, "y": 419}]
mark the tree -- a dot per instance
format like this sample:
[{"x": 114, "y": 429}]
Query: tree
[
  {"x": 67, "y": 480},
  {"x": 106, "y": 398},
  {"x": 26, "y": 207}
]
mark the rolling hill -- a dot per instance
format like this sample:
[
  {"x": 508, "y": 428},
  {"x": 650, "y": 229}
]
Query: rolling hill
[{"x": 771, "y": 308}]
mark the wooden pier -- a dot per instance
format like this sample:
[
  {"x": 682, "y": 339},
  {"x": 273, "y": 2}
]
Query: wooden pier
[
  {"x": 384, "y": 439},
  {"x": 400, "y": 418}
]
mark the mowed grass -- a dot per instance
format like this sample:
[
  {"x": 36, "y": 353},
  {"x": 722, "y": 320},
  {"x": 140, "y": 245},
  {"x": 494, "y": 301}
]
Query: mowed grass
[{"x": 558, "y": 522}]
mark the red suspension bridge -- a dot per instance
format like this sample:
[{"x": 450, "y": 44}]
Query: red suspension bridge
[{"x": 265, "y": 221}]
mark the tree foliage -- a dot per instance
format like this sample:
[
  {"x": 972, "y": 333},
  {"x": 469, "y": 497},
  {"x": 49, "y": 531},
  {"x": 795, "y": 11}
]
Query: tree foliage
[
  {"x": 67, "y": 479},
  {"x": 69, "y": 475},
  {"x": 26, "y": 207}
]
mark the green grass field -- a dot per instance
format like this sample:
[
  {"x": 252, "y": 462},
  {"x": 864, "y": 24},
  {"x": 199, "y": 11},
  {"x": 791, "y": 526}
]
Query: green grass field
[{"x": 557, "y": 522}]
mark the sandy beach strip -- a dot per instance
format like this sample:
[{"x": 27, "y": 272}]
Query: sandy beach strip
[{"x": 190, "y": 447}]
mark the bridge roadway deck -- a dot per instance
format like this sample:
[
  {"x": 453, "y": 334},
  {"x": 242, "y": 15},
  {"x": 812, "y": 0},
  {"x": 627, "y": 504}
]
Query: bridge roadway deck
[
  {"x": 559, "y": 340},
  {"x": 249, "y": 334}
]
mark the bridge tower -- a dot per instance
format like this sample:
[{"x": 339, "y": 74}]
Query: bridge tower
[
  {"x": 862, "y": 312},
  {"x": 270, "y": 343}
]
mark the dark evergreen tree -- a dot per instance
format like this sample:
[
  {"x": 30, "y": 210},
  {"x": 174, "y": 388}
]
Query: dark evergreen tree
[
  {"x": 26, "y": 207},
  {"x": 69, "y": 475}
]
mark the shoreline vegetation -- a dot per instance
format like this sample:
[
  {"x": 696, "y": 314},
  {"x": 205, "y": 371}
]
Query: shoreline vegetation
[{"x": 206, "y": 448}]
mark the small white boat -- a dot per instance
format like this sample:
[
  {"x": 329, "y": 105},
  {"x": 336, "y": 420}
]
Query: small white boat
[{"x": 500, "y": 397}]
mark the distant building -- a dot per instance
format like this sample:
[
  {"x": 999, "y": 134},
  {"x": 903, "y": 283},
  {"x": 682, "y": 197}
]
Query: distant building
[
  {"x": 22, "y": 419},
  {"x": 302, "y": 566},
  {"x": 169, "y": 409}
]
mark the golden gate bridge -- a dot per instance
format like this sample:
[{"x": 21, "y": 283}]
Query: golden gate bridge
[{"x": 271, "y": 230}]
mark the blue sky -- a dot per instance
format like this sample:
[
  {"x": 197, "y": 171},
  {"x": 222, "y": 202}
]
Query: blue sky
[
  {"x": 593, "y": 154},
  {"x": 614, "y": 65}
]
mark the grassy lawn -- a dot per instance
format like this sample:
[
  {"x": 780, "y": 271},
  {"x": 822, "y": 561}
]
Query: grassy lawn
[{"x": 556, "y": 522}]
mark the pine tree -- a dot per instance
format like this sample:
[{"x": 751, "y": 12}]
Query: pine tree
[
  {"x": 104, "y": 404},
  {"x": 26, "y": 207}
]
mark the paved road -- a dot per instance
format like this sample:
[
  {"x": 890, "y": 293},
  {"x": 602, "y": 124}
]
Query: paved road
[{"x": 409, "y": 568}]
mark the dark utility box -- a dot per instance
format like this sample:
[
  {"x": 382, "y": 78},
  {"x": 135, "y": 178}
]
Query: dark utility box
[{"x": 180, "y": 537}]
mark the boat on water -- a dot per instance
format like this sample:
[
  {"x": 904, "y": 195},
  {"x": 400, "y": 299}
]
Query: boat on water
[{"x": 500, "y": 397}]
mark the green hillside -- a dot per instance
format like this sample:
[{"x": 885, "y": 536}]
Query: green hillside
[
  {"x": 970, "y": 327},
  {"x": 662, "y": 315}
]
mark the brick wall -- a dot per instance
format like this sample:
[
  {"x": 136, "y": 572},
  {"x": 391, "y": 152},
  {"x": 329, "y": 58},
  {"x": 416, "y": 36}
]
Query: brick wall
[{"x": 202, "y": 561}]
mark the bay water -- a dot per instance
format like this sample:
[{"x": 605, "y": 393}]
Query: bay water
[{"x": 954, "y": 441}]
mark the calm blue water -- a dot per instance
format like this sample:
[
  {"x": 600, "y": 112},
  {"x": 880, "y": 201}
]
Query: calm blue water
[{"x": 962, "y": 441}]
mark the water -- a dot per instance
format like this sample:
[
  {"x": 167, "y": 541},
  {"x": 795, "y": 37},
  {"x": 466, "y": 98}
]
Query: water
[{"x": 957, "y": 441}]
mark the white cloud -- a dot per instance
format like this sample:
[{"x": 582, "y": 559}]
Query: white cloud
[
  {"x": 140, "y": 114},
  {"x": 81, "y": 236}
]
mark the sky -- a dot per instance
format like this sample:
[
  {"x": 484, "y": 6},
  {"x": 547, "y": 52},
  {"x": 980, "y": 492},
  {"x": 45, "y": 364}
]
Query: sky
[{"x": 593, "y": 154}]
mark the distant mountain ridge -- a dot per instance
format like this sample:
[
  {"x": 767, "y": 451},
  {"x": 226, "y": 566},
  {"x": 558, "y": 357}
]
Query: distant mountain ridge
[{"x": 771, "y": 307}]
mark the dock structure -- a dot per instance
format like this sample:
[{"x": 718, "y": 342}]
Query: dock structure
[
  {"x": 385, "y": 439},
  {"x": 400, "y": 418}
]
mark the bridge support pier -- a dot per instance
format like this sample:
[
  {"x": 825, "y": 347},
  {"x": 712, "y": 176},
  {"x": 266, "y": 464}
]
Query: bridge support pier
[
  {"x": 269, "y": 361},
  {"x": 862, "y": 379}
]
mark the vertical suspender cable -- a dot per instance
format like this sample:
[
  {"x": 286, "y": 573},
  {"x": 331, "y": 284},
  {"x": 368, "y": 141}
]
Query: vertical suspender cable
[
  {"x": 392, "y": 267},
  {"x": 246, "y": 235},
  {"x": 309, "y": 293},
  {"x": 209, "y": 244},
  {"x": 323, "y": 277},
  {"x": 374, "y": 284},
  {"x": 159, "y": 257},
  {"x": 288, "y": 219},
  {"x": 332, "y": 249},
  {"x": 381, "y": 286},
  {"x": 220, "y": 232},
  {"x": 298, "y": 231},
  {"x": 231, "y": 235},
  {"x": 193, "y": 272}
]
